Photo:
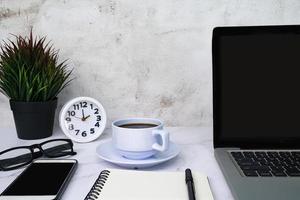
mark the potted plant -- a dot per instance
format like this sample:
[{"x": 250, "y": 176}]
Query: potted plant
[{"x": 31, "y": 77}]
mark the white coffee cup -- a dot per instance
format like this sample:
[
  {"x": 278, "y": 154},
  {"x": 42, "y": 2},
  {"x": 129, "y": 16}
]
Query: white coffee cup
[{"x": 139, "y": 138}]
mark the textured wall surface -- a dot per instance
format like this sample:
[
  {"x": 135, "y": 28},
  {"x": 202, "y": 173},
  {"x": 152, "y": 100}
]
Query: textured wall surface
[{"x": 148, "y": 58}]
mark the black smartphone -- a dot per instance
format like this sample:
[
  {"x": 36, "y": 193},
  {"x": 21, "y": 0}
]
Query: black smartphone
[{"x": 41, "y": 180}]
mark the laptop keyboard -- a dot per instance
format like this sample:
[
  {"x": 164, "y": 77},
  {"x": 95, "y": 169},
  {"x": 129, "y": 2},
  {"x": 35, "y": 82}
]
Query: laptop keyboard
[{"x": 268, "y": 163}]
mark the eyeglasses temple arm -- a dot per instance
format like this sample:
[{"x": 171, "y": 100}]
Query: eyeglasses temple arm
[
  {"x": 20, "y": 158},
  {"x": 60, "y": 148}
]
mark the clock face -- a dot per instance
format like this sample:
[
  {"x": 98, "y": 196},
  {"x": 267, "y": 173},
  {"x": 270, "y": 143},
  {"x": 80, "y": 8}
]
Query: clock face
[{"x": 83, "y": 119}]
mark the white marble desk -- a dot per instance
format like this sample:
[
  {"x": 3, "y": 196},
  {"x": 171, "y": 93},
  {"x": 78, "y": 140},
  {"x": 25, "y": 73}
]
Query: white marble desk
[{"x": 196, "y": 153}]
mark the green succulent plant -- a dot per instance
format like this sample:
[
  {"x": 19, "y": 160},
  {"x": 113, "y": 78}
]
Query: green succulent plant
[{"x": 30, "y": 71}]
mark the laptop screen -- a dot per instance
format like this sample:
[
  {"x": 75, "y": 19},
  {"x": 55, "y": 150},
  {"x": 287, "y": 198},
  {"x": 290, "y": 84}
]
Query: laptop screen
[{"x": 257, "y": 85}]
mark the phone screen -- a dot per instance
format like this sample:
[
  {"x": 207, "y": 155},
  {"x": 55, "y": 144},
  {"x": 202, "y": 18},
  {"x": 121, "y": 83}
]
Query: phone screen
[{"x": 40, "y": 179}]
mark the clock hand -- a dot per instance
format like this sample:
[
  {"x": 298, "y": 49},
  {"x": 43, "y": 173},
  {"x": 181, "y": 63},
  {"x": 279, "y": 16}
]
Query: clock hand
[
  {"x": 86, "y": 117},
  {"x": 78, "y": 117},
  {"x": 82, "y": 115}
]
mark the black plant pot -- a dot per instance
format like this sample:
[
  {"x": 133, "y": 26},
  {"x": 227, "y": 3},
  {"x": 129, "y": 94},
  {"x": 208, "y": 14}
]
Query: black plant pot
[{"x": 34, "y": 120}]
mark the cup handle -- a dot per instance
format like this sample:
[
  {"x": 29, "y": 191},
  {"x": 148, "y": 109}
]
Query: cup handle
[{"x": 164, "y": 138}]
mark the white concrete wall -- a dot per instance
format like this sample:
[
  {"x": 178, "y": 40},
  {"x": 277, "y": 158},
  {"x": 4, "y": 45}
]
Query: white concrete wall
[{"x": 149, "y": 58}]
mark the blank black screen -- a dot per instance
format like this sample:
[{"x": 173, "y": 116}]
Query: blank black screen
[
  {"x": 259, "y": 85},
  {"x": 40, "y": 179}
]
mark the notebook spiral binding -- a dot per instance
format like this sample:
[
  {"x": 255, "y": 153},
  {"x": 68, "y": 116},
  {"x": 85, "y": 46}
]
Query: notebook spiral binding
[{"x": 95, "y": 191}]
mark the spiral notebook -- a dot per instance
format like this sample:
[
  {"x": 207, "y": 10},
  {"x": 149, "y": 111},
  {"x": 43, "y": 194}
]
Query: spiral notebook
[{"x": 141, "y": 185}]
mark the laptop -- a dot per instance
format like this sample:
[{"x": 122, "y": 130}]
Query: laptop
[{"x": 256, "y": 109}]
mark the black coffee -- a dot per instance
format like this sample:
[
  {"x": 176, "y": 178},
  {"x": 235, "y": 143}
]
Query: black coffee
[{"x": 138, "y": 125}]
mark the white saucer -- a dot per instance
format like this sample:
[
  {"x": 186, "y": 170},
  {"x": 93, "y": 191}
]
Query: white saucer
[{"x": 107, "y": 152}]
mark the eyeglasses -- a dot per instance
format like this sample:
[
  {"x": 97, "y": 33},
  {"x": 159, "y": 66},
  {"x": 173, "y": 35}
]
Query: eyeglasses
[{"x": 14, "y": 158}]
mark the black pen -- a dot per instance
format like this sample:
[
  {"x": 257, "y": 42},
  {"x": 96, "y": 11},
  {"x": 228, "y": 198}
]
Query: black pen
[{"x": 190, "y": 184}]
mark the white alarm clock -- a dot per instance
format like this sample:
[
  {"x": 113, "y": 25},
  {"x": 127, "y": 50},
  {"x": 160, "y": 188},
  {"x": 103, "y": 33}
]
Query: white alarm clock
[{"x": 82, "y": 119}]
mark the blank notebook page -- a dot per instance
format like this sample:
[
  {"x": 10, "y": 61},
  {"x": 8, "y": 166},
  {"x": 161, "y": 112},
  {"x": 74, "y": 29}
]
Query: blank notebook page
[{"x": 139, "y": 185}]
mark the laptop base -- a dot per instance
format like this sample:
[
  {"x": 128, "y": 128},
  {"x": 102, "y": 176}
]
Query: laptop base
[{"x": 249, "y": 188}]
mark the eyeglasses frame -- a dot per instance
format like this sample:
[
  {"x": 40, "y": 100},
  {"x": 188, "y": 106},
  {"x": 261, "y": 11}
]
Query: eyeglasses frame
[{"x": 38, "y": 154}]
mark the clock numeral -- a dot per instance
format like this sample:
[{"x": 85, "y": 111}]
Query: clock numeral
[
  {"x": 99, "y": 118},
  {"x": 97, "y": 124},
  {"x": 92, "y": 130},
  {"x": 68, "y": 119},
  {"x": 83, "y": 104},
  {"x": 96, "y": 111},
  {"x": 80, "y": 105},
  {"x": 71, "y": 113},
  {"x": 84, "y": 134},
  {"x": 92, "y": 106},
  {"x": 76, "y": 106},
  {"x": 71, "y": 126},
  {"x": 77, "y": 131}
]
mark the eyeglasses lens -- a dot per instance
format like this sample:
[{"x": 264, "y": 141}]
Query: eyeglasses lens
[
  {"x": 57, "y": 148},
  {"x": 15, "y": 158}
]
